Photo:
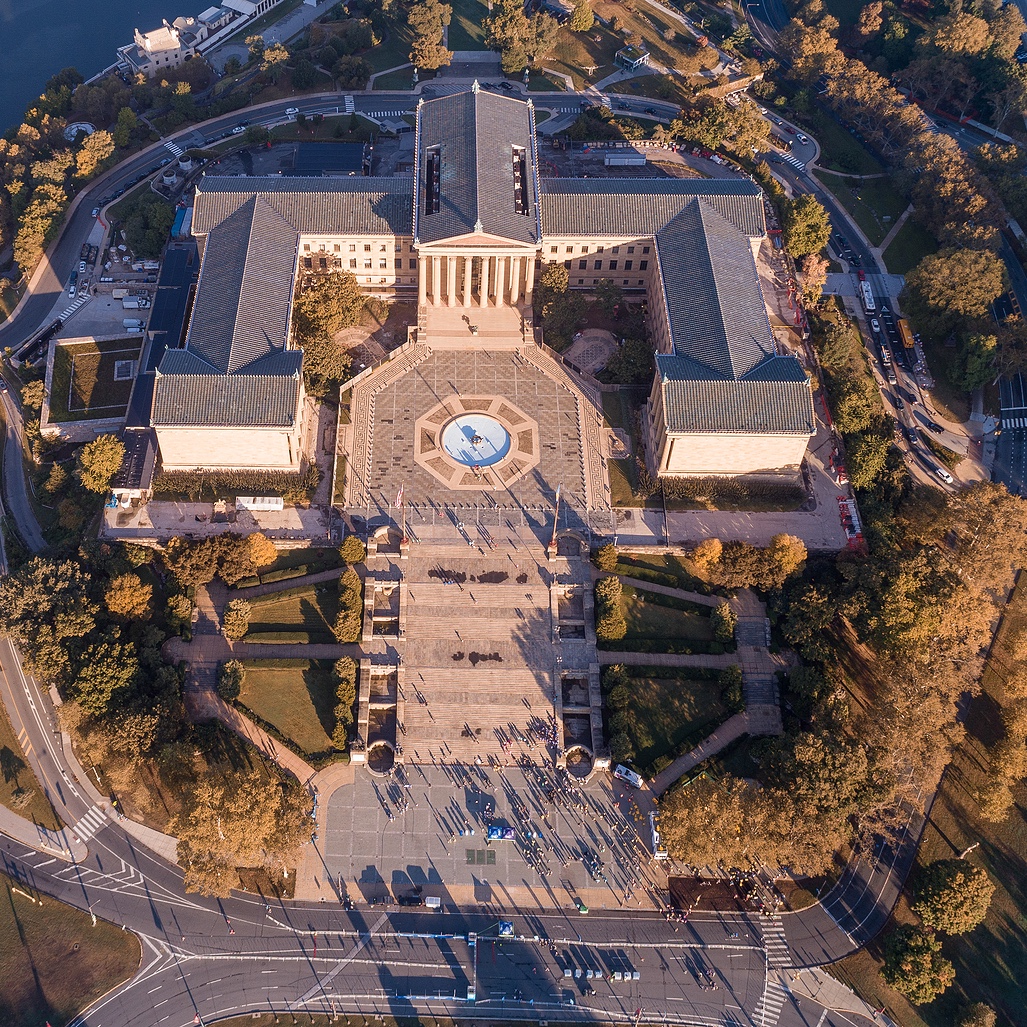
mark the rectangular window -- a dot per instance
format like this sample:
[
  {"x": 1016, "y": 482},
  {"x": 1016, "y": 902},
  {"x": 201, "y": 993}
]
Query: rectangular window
[
  {"x": 367, "y": 264},
  {"x": 382, "y": 248},
  {"x": 306, "y": 247},
  {"x": 353, "y": 247},
  {"x": 581, "y": 281},
  {"x": 627, "y": 265},
  {"x": 582, "y": 265},
  {"x": 599, "y": 249},
  {"x": 625, "y": 282},
  {"x": 399, "y": 246},
  {"x": 321, "y": 248},
  {"x": 643, "y": 265},
  {"x": 641, "y": 282},
  {"x": 613, "y": 265},
  {"x": 616, "y": 249},
  {"x": 383, "y": 264},
  {"x": 552, "y": 249},
  {"x": 567, "y": 264},
  {"x": 367, "y": 247},
  {"x": 352, "y": 262},
  {"x": 337, "y": 247},
  {"x": 631, "y": 249},
  {"x": 597, "y": 266},
  {"x": 584, "y": 249},
  {"x": 645, "y": 249},
  {"x": 569, "y": 249},
  {"x": 412, "y": 263}
]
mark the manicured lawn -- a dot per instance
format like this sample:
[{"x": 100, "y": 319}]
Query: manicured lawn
[
  {"x": 841, "y": 150},
  {"x": 668, "y": 713},
  {"x": 19, "y": 787},
  {"x": 874, "y": 203},
  {"x": 399, "y": 81},
  {"x": 465, "y": 31},
  {"x": 296, "y": 696},
  {"x": 392, "y": 51},
  {"x": 953, "y": 403},
  {"x": 53, "y": 962},
  {"x": 650, "y": 615},
  {"x": 673, "y": 571},
  {"x": 327, "y": 130},
  {"x": 312, "y": 609},
  {"x": 911, "y": 244},
  {"x": 307, "y": 560},
  {"x": 83, "y": 384},
  {"x": 576, "y": 51}
]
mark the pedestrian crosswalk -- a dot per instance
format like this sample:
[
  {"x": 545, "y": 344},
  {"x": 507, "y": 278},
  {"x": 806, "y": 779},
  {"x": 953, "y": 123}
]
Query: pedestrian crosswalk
[
  {"x": 93, "y": 821},
  {"x": 347, "y": 105},
  {"x": 775, "y": 942},
  {"x": 768, "y": 1009},
  {"x": 794, "y": 161},
  {"x": 175, "y": 149},
  {"x": 75, "y": 304}
]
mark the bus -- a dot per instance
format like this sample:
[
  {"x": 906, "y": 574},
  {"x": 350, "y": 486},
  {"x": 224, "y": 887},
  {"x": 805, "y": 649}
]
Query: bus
[
  {"x": 867, "y": 296},
  {"x": 905, "y": 334}
]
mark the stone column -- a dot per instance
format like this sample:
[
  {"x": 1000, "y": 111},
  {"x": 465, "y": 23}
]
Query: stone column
[
  {"x": 529, "y": 279},
  {"x": 451, "y": 280},
  {"x": 515, "y": 280},
  {"x": 422, "y": 281},
  {"x": 501, "y": 276},
  {"x": 485, "y": 284},
  {"x": 468, "y": 268},
  {"x": 436, "y": 281}
]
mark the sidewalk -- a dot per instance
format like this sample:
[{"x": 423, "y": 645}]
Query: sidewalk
[
  {"x": 824, "y": 989},
  {"x": 732, "y": 729},
  {"x": 64, "y": 843}
]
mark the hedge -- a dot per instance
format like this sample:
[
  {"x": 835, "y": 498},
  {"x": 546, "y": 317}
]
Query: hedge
[
  {"x": 284, "y": 573},
  {"x": 317, "y": 760},
  {"x": 284, "y": 637},
  {"x": 672, "y": 646}
]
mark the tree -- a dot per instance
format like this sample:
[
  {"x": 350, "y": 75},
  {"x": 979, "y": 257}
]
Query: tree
[
  {"x": 914, "y": 966},
  {"x": 608, "y": 295},
  {"x": 977, "y": 1014},
  {"x": 231, "y": 678},
  {"x": 995, "y": 800},
  {"x": 325, "y": 366},
  {"x": 128, "y": 596},
  {"x": 351, "y": 72},
  {"x": 975, "y": 362},
  {"x": 731, "y": 691},
  {"x": 236, "y": 620},
  {"x": 788, "y": 552},
  {"x": 806, "y": 225},
  {"x": 953, "y": 896},
  {"x": 273, "y": 61},
  {"x": 959, "y": 33},
  {"x": 814, "y": 278},
  {"x": 606, "y": 558},
  {"x": 255, "y": 44},
  {"x": 95, "y": 149},
  {"x": 870, "y": 20},
  {"x": 610, "y": 622},
  {"x": 238, "y": 820},
  {"x": 353, "y": 549},
  {"x": 124, "y": 127},
  {"x": 263, "y": 551},
  {"x": 953, "y": 284},
  {"x": 326, "y": 304},
  {"x": 583, "y": 18},
  {"x": 192, "y": 563},
  {"x": 345, "y": 674},
  {"x": 107, "y": 671},
  {"x": 99, "y": 461},
  {"x": 707, "y": 554},
  {"x": 723, "y": 620},
  {"x": 428, "y": 55}
]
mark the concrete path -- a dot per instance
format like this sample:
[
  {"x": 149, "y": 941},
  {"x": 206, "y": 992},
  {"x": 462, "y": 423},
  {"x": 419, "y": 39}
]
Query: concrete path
[
  {"x": 819, "y": 985},
  {"x": 678, "y": 593},
  {"x": 607, "y": 659},
  {"x": 732, "y": 729},
  {"x": 894, "y": 230},
  {"x": 317, "y": 578}
]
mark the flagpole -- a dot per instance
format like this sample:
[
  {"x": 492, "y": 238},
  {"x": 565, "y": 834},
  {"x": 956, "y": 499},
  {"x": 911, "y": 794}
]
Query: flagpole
[{"x": 556, "y": 518}]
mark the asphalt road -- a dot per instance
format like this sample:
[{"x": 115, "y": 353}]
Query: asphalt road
[{"x": 16, "y": 498}]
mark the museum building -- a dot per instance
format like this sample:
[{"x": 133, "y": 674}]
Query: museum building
[{"x": 469, "y": 231}]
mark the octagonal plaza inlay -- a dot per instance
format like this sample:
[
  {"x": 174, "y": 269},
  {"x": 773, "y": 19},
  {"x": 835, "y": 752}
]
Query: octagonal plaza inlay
[{"x": 476, "y": 442}]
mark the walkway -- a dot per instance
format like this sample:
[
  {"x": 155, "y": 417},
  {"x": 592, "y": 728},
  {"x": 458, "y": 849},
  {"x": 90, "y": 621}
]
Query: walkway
[
  {"x": 284, "y": 584},
  {"x": 677, "y": 593},
  {"x": 894, "y": 230},
  {"x": 607, "y": 658},
  {"x": 731, "y": 730},
  {"x": 759, "y": 665}
]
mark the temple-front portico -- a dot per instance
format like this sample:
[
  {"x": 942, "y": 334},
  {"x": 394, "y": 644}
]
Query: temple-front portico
[{"x": 475, "y": 278}]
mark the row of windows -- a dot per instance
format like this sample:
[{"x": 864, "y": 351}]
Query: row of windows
[
  {"x": 599, "y": 249},
  {"x": 624, "y": 282},
  {"x": 597, "y": 265}
]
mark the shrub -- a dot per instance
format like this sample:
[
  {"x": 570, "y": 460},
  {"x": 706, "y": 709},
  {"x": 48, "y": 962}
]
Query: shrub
[
  {"x": 236, "y": 621},
  {"x": 350, "y": 621},
  {"x": 231, "y": 678},
  {"x": 723, "y": 619},
  {"x": 610, "y": 622},
  {"x": 606, "y": 557},
  {"x": 731, "y": 692},
  {"x": 345, "y": 674},
  {"x": 353, "y": 550}
]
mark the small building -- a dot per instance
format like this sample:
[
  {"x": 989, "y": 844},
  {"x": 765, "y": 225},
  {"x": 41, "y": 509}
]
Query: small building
[
  {"x": 154, "y": 52},
  {"x": 631, "y": 57},
  {"x": 250, "y": 8}
]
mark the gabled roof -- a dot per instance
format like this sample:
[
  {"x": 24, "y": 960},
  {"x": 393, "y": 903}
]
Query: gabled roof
[
  {"x": 241, "y": 312},
  {"x": 226, "y": 400},
  {"x": 713, "y": 296},
  {"x": 473, "y": 136},
  {"x": 312, "y": 206},
  {"x": 643, "y": 206}
]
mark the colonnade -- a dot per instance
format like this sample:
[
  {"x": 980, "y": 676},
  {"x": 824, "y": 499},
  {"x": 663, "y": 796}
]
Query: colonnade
[{"x": 476, "y": 280}]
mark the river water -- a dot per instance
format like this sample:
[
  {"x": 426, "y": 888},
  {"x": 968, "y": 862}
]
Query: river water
[{"x": 39, "y": 37}]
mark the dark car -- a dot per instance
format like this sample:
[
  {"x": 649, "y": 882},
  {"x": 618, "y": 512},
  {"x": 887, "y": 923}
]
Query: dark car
[
  {"x": 651, "y": 110},
  {"x": 911, "y": 434},
  {"x": 935, "y": 427}
]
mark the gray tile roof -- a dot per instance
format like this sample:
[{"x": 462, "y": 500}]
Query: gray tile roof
[
  {"x": 714, "y": 301},
  {"x": 475, "y": 134},
  {"x": 312, "y": 206},
  {"x": 642, "y": 206},
  {"x": 241, "y": 311},
  {"x": 225, "y": 400},
  {"x": 747, "y": 406}
]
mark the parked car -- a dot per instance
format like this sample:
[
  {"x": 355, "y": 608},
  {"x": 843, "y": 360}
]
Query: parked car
[
  {"x": 81, "y": 266},
  {"x": 935, "y": 427},
  {"x": 944, "y": 475},
  {"x": 875, "y": 326},
  {"x": 95, "y": 212},
  {"x": 238, "y": 130},
  {"x": 801, "y": 137}
]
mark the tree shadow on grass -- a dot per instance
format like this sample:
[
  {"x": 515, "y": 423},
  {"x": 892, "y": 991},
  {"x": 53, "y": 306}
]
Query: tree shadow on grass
[{"x": 321, "y": 688}]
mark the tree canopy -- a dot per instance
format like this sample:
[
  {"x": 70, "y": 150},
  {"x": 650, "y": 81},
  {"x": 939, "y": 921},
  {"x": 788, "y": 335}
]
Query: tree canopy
[
  {"x": 806, "y": 225},
  {"x": 914, "y": 965},
  {"x": 953, "y": 895}
]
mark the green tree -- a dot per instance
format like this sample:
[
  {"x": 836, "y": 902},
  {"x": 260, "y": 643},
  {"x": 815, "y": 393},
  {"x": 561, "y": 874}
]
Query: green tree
[
  {"x": 231, "y": 678},
  {"x": 977, "y": 1014},
  {"x": 350, "y": 620},
  {"x": 345, "y": 675},
  {"x": 236, "y": 620},
  {"x": 124, "y": 127},
  {"x": 273, "y": 61},
  {"x": 606, "y": 558},
  {"x": 610, "y": 622},
  {"x": 914, "y": 965},
  {"x": 953, "y": 284},
  {"x": 867, "y": 457},
  {"x": 192, "y": 563},
  {"x": 583, "y": 18},
  {"x": 255, "y": 44},
  {"x": 99, "y": 461},
  {"x": 608, "y": 295},
  {"x": 806, "y": 225},
  {"x": 105, "y": 675},
  {"x": 351, "y": 73},
  {"x": 353, "y": 549},
  {"x": 326, "y": 304},
  {"x": 325, "y": 366},
  {"x": 428, "y": 55},
  {"x": 723, "y": 619},
  {"x": 731, "y": 690},
  {"x": 263, "y": 552},
  {"x": 953, "y": 896},
  {"x": 127, "y": 596}
]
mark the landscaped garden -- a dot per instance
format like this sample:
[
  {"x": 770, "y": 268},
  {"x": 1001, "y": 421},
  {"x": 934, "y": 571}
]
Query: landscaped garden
[
  {"x": 303, "y": 614},
  {"x": 296, "y": 697},
  {"x": 651, "y": 615},
  {"x": 912, "y": 242},
  {"x": 93, "y": 379}
]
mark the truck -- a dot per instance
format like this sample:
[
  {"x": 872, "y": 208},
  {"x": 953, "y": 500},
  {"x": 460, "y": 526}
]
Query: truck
[
  {"x": 134, "y": 302},
  {"x": 131, "y": 322},
  {"x": 119, "y": 294},
  {"x": 866, "y": 294}
]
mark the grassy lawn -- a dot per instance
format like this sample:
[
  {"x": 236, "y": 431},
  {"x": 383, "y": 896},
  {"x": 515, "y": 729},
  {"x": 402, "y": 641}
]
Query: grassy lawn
[
  {"x": 53, "y": 962},
  {"x": 310, "y": 608},
  {"x": 576, "y": 51},
  {"x": 947, "y": 457},
  {"x": 953, "y": 403},
  {"x": 911, "y": 244},
  {"x": 296, "y": 696},
  {"x": 674, "y": 571},
  {"x": 650, "y": 615},
  {"x": 465, "y": 31},
  {"x": 392, "y": 51},
  {"x": 874, "y": 203},
  {"x": 8, "y": 301},
  {"x": 841, "y": 150},
  {"x": 309, "y": 560},
  {"x": 84, "y": 386},
  {"x": 667, "y": 715},
  {"x": 399, "y": 81},
  {"x": 334, "y": 129},
  {"x": 20, "y": 789},
  {"x": 658, "y": 87}
]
